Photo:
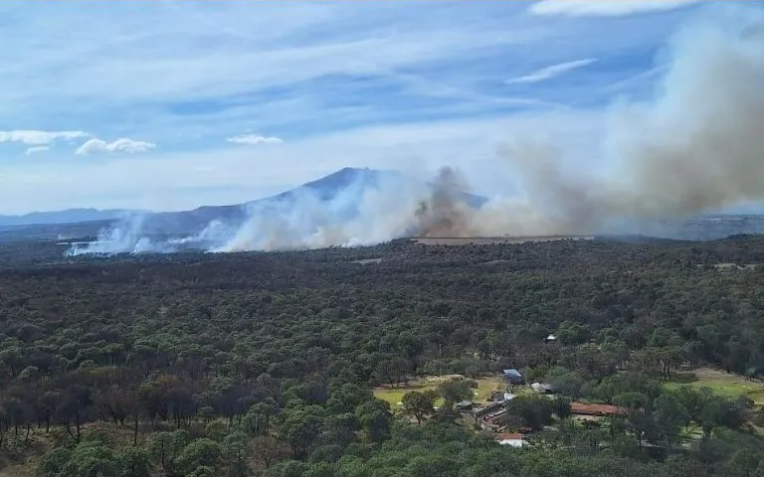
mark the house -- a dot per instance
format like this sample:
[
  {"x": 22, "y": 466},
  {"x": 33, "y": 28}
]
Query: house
[
  {"x": 583, "y": 409},
  {"x": 464, "y": 406},
  {"x": 543, "y": 388},
  {"x": 513, "y": 376},
  {"x": 507, "y": 397},
  {"x": 508, "y": 439},
  {"x": 490, "y": 408}
]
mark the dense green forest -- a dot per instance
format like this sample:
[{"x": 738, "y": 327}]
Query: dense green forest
[{"x": 264, "y": 363}]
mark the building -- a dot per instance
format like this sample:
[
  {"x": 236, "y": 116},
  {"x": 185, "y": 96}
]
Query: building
[
  {"x": 543, "y": 388},
  {"x": 507, "y": 439},
  {"x": 513, "y": 376},
  {"x": 583, "y": 409},
  {"x": 464, "y": 406},
  {"x": 489, "y": 409},
  {"x": 550, "y": 339}
]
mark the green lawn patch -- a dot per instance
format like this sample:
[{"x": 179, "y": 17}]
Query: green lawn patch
[
  {"x": 720, "y": 382},
  {"x": 393, "y": 396}
]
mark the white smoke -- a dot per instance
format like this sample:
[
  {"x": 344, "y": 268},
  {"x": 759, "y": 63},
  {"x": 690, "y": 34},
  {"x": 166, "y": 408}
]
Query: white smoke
[
  {"x": 126, "y": 237},
  {"x": 696, "y": 146}
]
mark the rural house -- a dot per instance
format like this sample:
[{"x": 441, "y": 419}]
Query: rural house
[
  {"x": 507, "y": 439},
  {"x": 513, "y": 376},
  {"x": 583, "y": 409},
  {"x": 543, "y": 388}
]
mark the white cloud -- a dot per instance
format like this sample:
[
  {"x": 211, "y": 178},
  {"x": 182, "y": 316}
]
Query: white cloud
[
  {"x": 252, "y": 139},
  {"x": 127, "y": 145},
  {"x": 34, "y": 137},
  {"x": 603, "y": 7},
  {"x": 175, "y": 180},
  {"x": 553, "y": 71},
  {"x": 36, "y": 149}
]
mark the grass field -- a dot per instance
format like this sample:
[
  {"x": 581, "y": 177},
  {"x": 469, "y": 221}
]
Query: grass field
[
  {"x": 393, "y": 396},
  {"x": 721, "y": 383}
]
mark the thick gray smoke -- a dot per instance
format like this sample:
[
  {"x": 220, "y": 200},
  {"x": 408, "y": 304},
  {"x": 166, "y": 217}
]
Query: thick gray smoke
[{"x": 696, "y": 146}]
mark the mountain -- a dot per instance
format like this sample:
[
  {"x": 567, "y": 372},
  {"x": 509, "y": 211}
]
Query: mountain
[
  {"x": 69, "y": 216},
  {"x": 323, "y": 189},
  {"x": 352, "y": 182}
]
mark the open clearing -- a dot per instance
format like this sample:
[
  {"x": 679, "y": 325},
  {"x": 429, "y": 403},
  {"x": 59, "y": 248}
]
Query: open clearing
[
  {"x": 720, "y": 382},
  {"x": 393, "y": 396},
  {"x": 493, "y": 240}
]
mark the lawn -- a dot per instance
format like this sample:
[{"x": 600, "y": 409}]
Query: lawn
[
  {"x": 486, "y": 385},
  {"x": 721, "y": 383}
]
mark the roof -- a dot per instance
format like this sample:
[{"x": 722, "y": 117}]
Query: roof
[
  {"x": 513, "y": 372},
  {"x": 514, "y": 440},
  {"x": 596, "y": 409},
  {"x": 538, "y": 387}
]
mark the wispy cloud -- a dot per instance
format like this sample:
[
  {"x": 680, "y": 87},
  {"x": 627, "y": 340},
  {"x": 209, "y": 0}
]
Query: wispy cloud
[
  {"x": 253, "y": 139},
  {"x": 34, "y": 137},
  {"x": 36, "y": 150},
  {"x": 552, "y": 71},
  {"x": 126, "y": 145},
  {"x": 340, "y": 83},
  {"x": 604, "y": 7}
]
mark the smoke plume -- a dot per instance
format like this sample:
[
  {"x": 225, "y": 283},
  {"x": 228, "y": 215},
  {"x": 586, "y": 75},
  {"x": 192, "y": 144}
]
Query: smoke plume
[{"x": 697, "y": 145}]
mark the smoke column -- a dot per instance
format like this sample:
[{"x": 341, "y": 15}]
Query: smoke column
[{"x": 696, "y": 146}]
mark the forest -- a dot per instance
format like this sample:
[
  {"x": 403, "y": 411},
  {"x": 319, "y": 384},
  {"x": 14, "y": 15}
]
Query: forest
[{"x": 267, "y": 364}]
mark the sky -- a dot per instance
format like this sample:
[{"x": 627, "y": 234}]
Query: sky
[{"x": 174, "y": 105}]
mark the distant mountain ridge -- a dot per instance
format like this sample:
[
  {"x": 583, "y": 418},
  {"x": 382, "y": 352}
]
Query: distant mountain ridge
[
  {"x": 68, "y": 216},
  {"x": 324, "y": 189},
  {"x": 352, "y": 182}
]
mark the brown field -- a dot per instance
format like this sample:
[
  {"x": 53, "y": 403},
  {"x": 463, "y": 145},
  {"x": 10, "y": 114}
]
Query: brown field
[{"x": 493, "y": 240}]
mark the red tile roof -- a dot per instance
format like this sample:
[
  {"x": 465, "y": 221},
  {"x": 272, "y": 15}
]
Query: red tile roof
[{"x": 596, "y": 409}]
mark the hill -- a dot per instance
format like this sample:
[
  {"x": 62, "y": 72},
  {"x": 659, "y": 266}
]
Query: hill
[
  {"x": 69, "y": 216},
  {"x": 351, "y": 183}
]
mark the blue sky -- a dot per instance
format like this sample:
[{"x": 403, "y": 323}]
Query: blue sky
[{"x": 170, "y": 106}]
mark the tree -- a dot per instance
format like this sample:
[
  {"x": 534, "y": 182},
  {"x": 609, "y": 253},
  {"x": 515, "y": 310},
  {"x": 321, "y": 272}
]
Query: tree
[
  {"x": 198, "y": 454},
  {"x": 52, "y": 463},
  {"x": 300, "y": 429},
  {"x": 631, "y": 400},
  {"x": 257, "y": 421},
  {"x": 165, "y": 447},
  {"x": 418, "y": 405},
  {"x": 671, "y": 416},
  {"x": 134, "y": 462},
  {"x": 535, "y": 411},
  {"x": 746, "y": 463},
  {"x": 456, "y": 390},
  {"x": 562, "y": 407},
  {"x": 375, "y": 417},
  {"x": 235, "y": 452},
  {"x": 93, "y": 459}
]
